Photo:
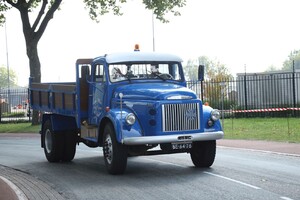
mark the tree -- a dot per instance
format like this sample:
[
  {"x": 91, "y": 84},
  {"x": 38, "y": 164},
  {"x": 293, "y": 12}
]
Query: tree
[
  {"x": 46, "y": 9},
  {"x": 271, "y": 68},
  {"x": 214, "y": 69},
  {"x": 293, "y": 57},
  {"x": 190, "y": 70},
  {"x": 4, "y": 77},
  {"x": 217, "y": 77}
]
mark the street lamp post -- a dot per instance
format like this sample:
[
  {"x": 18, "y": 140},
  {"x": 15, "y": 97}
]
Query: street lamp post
[
  {"x": 7, "y": 65},
  {"x": 153, "y": 35}
]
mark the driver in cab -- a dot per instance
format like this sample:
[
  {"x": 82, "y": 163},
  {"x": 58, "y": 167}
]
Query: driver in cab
[{"x": 154, "y": 70}]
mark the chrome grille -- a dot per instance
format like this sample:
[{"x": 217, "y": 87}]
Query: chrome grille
[{"x": 181, "y": 117}]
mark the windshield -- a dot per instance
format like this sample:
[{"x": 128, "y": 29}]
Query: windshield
[{"x": 163, "y": 71}]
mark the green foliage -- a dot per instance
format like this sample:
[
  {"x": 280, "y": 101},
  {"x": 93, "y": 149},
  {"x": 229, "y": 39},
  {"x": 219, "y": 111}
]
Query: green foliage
[
  {"x": 190, "y": 70},
  {"x": 19, "y": 128},
  {"x": 3, "y": 8},
  {"x": 161, "y": 7},
  {"x": 217, "y": 77},
  {"x": 14, "y": 114},
  {"x": 4, "y": 76},
  {"x": 271, "y": 68},
  {"x": 97, "y": 8},
  {"x": 293, "y": 57},
  {"x": 214, "y": 69}
]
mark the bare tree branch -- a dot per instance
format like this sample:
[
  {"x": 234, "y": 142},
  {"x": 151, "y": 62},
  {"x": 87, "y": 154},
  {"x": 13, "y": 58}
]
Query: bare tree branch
[
  {"x": 12, "y": 3},
  {"x": 41, "y": 13},
  {"x": 48, "y": 17}
]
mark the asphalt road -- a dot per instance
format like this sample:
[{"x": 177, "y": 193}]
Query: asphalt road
[{"x": 235, "y": 174}]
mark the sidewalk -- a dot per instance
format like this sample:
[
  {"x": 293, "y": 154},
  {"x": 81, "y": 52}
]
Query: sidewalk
[
  {"x": 292, "y": 149},
  {"x": 15, "y": 185}
]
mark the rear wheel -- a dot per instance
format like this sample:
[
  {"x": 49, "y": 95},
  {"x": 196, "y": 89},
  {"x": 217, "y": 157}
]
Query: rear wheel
[
  {"x": 58, "y": 146},
  {"x": 203, "y": 153},
  {"x": 53, "y": 143},
  {"x": 69, "y": 146},
  {"x": 115, "y": 154}
]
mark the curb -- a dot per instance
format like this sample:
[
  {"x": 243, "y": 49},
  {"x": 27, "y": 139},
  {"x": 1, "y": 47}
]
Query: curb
[
  {"x": 261, "y": 151},
  {"x": 279, "y": 148},
  {"x": 19, "y": 185},
  {"x": 10, "y": 190}
]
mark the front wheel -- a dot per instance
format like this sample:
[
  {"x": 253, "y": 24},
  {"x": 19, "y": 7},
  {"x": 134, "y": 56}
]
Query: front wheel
[
  {"x": 115, "y": 154},
  {"x": 203, "y": 153}
]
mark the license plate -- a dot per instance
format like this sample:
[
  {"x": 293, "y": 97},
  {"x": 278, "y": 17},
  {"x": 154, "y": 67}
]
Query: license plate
[{"x": 178, "y": 146}]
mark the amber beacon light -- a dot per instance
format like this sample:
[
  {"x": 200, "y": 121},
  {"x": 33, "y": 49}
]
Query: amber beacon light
[{"x": 136, "y": 47}]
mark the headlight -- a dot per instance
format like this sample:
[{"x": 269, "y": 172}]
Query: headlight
[
  {"x": 130, "y": 119},
  {"x": 215, "y": 115}
]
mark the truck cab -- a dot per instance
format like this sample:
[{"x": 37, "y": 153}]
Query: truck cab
[{"x": 130, "y": 104}]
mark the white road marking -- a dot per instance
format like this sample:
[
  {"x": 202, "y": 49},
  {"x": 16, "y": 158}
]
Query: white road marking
[
  {"x": 233, "y": 180},
  {"x": 285, "y": 198},
  {"x": 212, "y": 174}
]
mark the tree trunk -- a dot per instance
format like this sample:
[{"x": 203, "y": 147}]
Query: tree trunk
[
  {"x": 35, "y": 73},
  {"x": 34, "y": 33}
]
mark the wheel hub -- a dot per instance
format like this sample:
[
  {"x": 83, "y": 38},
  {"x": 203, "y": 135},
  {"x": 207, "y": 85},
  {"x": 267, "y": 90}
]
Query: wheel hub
[
  {"x": 48, "y": 141},
  {"x": 108, "y": 149}
]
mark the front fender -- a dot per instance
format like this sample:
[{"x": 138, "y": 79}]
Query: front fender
[
  {"x": 206, "y": 116},
  {"x": 122, "y": 129}
]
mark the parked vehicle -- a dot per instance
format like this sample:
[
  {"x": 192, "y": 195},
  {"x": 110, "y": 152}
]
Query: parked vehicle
[{"x": 129, "y": 104}]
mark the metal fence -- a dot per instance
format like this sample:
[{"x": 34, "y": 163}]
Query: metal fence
[
  {"x": 247, "y": 95},
  {"x": 274, "y": 94},
  {"x": 14, "y": 105}
]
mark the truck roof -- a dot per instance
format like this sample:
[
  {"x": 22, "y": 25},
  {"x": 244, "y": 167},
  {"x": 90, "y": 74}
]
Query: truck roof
[{"x": 138, "y": 56}]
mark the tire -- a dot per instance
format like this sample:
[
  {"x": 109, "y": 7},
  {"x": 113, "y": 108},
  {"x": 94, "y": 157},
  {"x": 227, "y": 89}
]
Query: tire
[
  {"x": 70, "y": 140},
  {"x": 53, "y": 143},
  {"x": 203, "y": 153},
  {"x": 115, "y": 154}
]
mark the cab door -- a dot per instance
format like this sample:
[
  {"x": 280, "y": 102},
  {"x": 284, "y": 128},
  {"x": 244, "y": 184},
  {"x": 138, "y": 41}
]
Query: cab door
[{"x": 97, "y": 93}]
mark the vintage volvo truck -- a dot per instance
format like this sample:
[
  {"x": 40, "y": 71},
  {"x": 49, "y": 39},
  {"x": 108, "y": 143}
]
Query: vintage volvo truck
[{"x": 130, "y": 104}]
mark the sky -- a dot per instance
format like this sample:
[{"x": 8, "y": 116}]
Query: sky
[{"x": 244, "y": 35}]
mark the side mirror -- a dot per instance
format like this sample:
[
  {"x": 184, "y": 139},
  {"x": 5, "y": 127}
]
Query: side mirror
[{"x": 201, "y": 72}]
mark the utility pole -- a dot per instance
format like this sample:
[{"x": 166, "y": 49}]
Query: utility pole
[
  {"x": 153, "y": 33},
  {"x": 7, "y": 65}
]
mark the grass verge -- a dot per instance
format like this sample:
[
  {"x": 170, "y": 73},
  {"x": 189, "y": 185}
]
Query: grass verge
[
  {"x": 272, "y": 129},
  {"x": 19, "y": 128}
]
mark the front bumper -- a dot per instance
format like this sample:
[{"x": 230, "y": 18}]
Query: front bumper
[{"x": 204, "y": 136}]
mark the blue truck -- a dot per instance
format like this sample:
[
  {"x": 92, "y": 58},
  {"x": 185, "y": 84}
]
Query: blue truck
[{"x": 130, "y": 104}]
